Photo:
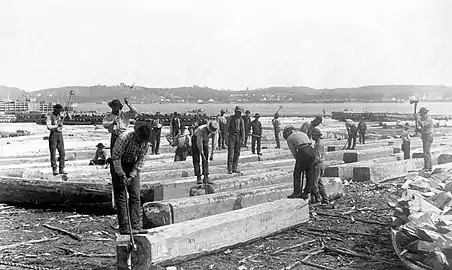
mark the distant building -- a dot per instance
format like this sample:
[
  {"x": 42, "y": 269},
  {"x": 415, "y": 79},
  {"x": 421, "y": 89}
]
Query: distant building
[{"x": 25, "y": 106}]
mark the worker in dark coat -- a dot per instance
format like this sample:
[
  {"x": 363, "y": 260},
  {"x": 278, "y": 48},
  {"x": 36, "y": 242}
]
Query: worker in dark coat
[
  {"x": 256, "y": 136},
  {"x": 362, "y": 128},
  {"x": 156, "y": 125},
  {"x": 54, "y": 122},
  {"x": 304, "y": 154},
  {"x": 406, "y": 142},
  {"x": 246, "y": 122},
  {"x": 128, "y": 158},
  {"x": 235, "y": 134},
  {"x": 222, "y": 120},
  {"x": 175, "y": 124},
  {"x": 352, "y": 132},
  {"x": 426, "y": 126}
]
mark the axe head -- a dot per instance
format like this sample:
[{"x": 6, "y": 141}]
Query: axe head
[{"x": 414, "y": 100}]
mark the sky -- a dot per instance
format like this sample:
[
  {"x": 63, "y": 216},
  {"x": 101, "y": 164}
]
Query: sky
[{"x": 225, "y": 44}]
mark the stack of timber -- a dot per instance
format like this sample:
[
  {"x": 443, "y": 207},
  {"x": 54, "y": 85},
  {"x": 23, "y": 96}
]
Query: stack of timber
[{"x": 422, "y": 223}]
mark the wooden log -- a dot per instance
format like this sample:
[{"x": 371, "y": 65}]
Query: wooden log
[
  {"x": 188, "y": 240},
  {"x": 183, "y": 209},
  {"x": 367, "y": 154}
]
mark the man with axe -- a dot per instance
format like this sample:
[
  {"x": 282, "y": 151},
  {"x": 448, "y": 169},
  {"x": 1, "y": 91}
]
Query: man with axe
[
  {"x": 426, "y": 129},
  {"x": 276, "y": 122},
  {"x": 307, "y": 127}
]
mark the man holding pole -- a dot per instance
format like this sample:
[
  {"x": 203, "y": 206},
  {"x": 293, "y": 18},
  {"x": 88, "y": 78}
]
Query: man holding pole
[
  {"x": 426, "y": 129},
  {"x": 276, "y": 122}
]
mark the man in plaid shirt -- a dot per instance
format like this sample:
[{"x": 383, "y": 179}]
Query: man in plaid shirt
[{"x": 128, "y": 157}]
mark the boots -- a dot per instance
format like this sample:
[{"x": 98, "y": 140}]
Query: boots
[
  {"x": 296, "y": 189},
  {"x": 206, "y": 180},
  {"x": 55, "y": 171},
  {"x": 62, "y": 171},
  {"x": 199, "y": 180}
]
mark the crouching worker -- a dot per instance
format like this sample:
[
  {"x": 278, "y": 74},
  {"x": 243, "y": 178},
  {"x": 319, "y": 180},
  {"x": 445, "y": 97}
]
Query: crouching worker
[
  {"x": 300, "y": 146},
  {"x": 101, "y": 155},
  {"x": 318, "y": 193},
  {"x": 182, "y": 145},
  {"x": 128, "y": 157}
]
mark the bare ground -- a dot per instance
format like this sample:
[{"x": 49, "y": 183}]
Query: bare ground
[{"x": 317, "y": 239}]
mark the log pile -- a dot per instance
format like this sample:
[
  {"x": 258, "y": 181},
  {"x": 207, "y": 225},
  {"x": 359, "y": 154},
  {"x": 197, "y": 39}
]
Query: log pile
[{"x": 422, "y": 222}]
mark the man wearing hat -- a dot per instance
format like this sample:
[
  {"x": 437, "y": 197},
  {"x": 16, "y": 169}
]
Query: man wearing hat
[
  {"x": 352, "y": 132},
  {"x": 54, "y": 122},
  {"x": 300, "y": 146},
  {"x": 308, "y": 126},
  {"x": 235, "y": 136},
  {"x": 156, "y": 125},
  {"x": 117, "y": 121},
  {"x": 222, "y": 122},
  {"x": 256, "y": 135},
  {"x": 182, "y": 145},
  {"x": 175, "y": 124},
  {"x": 101, "y": 155},
  {"x": 276, "y": 122},
  {"x": 200, "y": 149},
  {"x": 426, "y": 128},
  {"x": 406, "y": 142},
  {"x": 362, "y": 128},
  {"x": 246, "y": 122},
  {"x": 128, "y": 158},
  {"x": 318, "y": 193}
]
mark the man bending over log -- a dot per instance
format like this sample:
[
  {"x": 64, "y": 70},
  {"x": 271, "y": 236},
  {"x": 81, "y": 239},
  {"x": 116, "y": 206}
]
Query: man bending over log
[
  {"x": 308, "y": 126},
  {"x": 117, "y": 121},
  {"x": 300, "y": 146},
  {"x": 200, "y": 148},
  {"x": 128, "y": 157}
]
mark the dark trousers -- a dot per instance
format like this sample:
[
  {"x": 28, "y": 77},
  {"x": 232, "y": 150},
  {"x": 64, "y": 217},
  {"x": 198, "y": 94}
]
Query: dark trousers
[
  {"x": 277, "y": 131},
  {"x": 362, "y": 136},
  {"x": 157, "y": 132},
  {"x": 98, "y": 162},
  {"x": 406, "y": 150},
  {"x": 256, "y": 140},
  {"x": 318, "y": 189},
  {"x": 221, "y": 139},
  {"x": 196, "y": 156},
  {"x": 234, "y": 144},
  {"x": 352, "y": 137},
  {"x": 304, "y": 163},
  {"x": 427, "y": 141},
  {"x": 120, "y": 197},
  {"x": 56, "y": 142},
  {"x": 112, "y": 142},
  {"x": 247, "y": 134},
  {"x": 181, "y": 154}
]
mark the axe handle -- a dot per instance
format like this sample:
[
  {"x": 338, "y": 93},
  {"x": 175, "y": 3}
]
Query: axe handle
[
  {"x": 280, "y": 107},
  {"x": 415, "y": 122}
]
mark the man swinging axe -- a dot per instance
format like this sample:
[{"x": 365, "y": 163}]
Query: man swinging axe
[{"x": 128, "y": 157}]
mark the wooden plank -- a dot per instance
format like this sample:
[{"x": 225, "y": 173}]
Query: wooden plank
[
  {"x": 182, "y": 209},
  {"x": 351, "y": 156},
  {"x": 191, "y": 239}
]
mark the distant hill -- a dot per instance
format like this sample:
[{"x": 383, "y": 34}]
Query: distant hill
[{"x": 141, "y": 94}]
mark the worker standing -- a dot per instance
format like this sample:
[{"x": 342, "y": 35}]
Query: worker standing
[
  {"x": 300, "y": 146},
  {"x": 256, "y": 136},
  {"x": 222, "y": 122},
  {"x": 276, "y": 122},
  {"x": 308, "y": 126},
  {"x": 352, "y": 132},
  {"x": 426, "y": 129},
  {"x": 175, "y": 124},
  {"x": 128, "y": 158},
  {"x": 200, "y": 149},
  {"x": 406, "y": 142},
  {"x": 235, "y": 136},
  {"x": 117, "y": 121},
  {"x": 54, "y": 122},
  {"x": 318, "y": 188},
  {"x": 362, "y": 128},
  {"x": 156, "y": 133},
  {"x": 247, "y": 121},
  {"x": 182, "y": 145}
]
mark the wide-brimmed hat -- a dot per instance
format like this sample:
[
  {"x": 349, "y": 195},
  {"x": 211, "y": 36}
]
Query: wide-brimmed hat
[
  {"x": 115, "y": 103},
  {"x": 423, "y": 110},
  {"x": 316, "y": 132},
  {"x": 287, "y": 131},
  {"x": 143, "y": 132},
  {"x": 213, "y": 126},
  {"x": 58, "y": 106},
  {"x": 257, "y": 115},
  {"x": 222, "y": 111},
  {"x": 247, "y": 111},
  {"x": 318, "y": 118},
  {"x": 100, "y": 145},
  {"x": 238, "y": 109}
]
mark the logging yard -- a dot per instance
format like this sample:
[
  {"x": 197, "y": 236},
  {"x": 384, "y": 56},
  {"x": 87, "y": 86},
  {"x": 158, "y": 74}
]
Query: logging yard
[{"x": 248, "y": 223}]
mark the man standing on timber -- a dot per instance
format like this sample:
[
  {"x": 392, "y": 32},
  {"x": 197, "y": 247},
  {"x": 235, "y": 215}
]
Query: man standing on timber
[
  {"x": 128, "y": 158},
  {"x": 222, "y": 120},
  {"x": 235, "y": 136},
  {"x": 300, "y": 146},
  {"x": 256, "y": 138},
  {"x": 318, "y": 189},
  {"x": 352, "y": 132},
  {"x": 200, "y": 149},
  {"x": 247, "y": 121},
  {"x": 156, "y": 133},
  {"x": 117, "y": 121},
  {"x": 54, "y": 124},
  {"x": 307, "y": 127},
  {"x": 426, "y": 126},
  {"x": 182, "y": 145},
  {"x": 362, "y": 128},
  {"x": 175, "y": 124},
  {"x": 276, "y": 122},
  {"x": 406, "y": 142}
]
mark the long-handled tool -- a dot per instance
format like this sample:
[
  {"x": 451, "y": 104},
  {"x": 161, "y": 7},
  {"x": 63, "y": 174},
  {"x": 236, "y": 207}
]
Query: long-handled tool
[
  {"x": 132, "y": 241},
  {"x": 415, "y": 101}
]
